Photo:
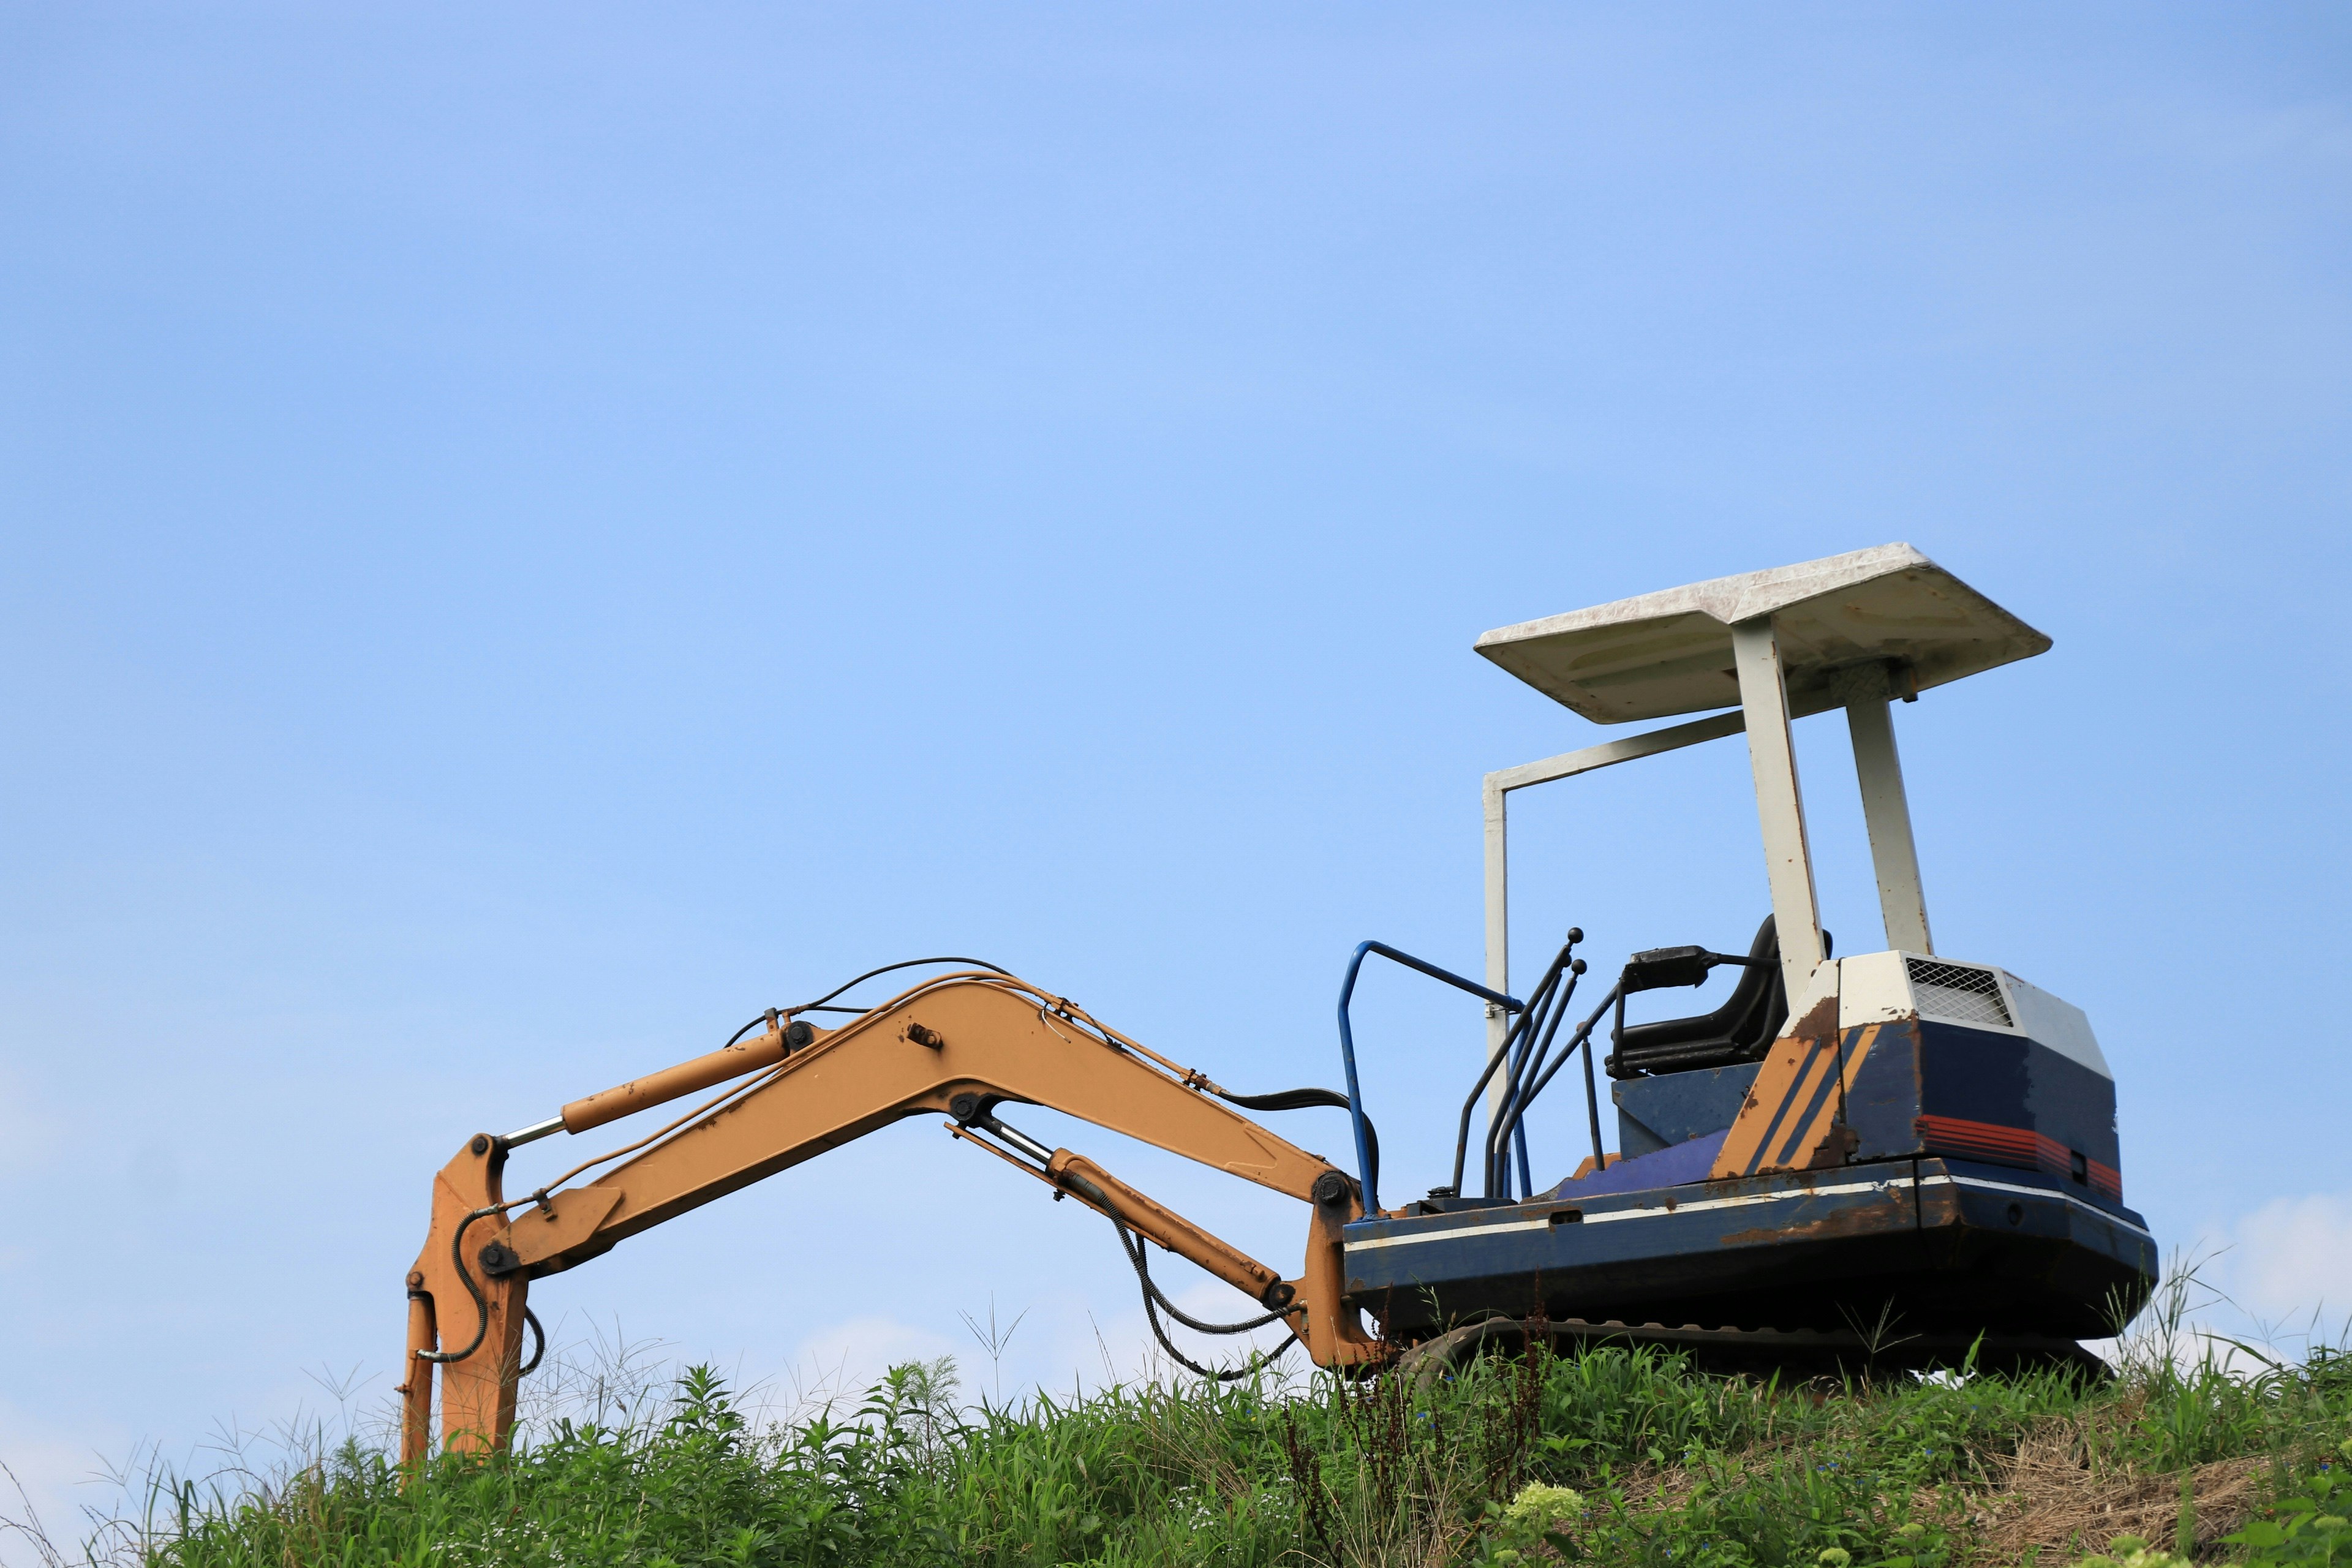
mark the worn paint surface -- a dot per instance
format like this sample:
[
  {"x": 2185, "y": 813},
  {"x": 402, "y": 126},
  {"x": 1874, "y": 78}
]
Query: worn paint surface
[
  {"x": 1881, "y": 1091},
  {"x": 2013, "y": 1101},
  {"x": 1654, "y": 1113},
  {"x": 1955, "y": 1240},
  {"x": 1793, "y": 1117}
]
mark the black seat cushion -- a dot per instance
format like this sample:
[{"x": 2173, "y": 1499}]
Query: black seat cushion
[{"x": 1738, "y": 1031}]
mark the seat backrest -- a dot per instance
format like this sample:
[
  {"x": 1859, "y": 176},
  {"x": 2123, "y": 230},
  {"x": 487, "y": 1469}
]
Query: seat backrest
[{"x": 1741, "y": 1030}]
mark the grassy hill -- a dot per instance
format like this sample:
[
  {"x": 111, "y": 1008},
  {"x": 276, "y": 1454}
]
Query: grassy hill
[{"x": 1608, "y": 1456}]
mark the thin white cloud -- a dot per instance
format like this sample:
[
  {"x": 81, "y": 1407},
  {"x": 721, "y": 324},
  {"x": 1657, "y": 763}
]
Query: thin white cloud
[
  {"x": 2291, "y": 1258},
  {"x": 845, "y": 1360}
]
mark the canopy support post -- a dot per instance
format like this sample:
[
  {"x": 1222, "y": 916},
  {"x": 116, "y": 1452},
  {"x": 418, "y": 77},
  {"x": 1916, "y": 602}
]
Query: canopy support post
[
  {"x": 1893, "y": 855},
  {"x": 1780, "y": 807}
]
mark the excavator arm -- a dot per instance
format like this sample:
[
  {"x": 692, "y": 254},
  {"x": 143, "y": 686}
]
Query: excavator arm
[{"x": 961, "y": 1044}]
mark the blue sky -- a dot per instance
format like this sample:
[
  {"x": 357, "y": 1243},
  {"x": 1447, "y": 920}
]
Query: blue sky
[{"x": 534, "y": 533}]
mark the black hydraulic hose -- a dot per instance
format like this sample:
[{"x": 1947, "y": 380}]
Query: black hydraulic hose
[
  {"x": 1235, "y": 1375},
  {"x": 819, "y": 1005},
  {"x": 1136, "y": 1255},
  {"x": 903, "y": 964},
  {"x": 1308, "y": 1099},
  {"x": 1286, "y": 1100},
  {"x": 481, "y": 1303},
  {"x": 539, "y": 1339},
  {"x": 1155, "y": 1300},
  {"x": 482, "y": 1306}
]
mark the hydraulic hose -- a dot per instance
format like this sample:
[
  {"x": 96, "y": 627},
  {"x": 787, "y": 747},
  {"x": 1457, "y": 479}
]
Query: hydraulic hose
[
  {"x": 1308, "y": 1100},
  {"x": 466, "y": 1277},
  {"x": 1155, "y": 1301}
]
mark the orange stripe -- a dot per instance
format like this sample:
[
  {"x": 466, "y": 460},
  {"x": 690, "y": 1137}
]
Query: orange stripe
[
  {"x": 1804, "y": 1062},
  {"x": 1849, "y": 1065},
  {"x": 1761, "y": 1112},
  {"x": 1796, "y": 1102},
  {"x": 1818, "y": 1101}
]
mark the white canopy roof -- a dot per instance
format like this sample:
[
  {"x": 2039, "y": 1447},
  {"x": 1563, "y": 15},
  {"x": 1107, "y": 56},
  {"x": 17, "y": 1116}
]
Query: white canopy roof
[{"x": 1842, "y": 622}]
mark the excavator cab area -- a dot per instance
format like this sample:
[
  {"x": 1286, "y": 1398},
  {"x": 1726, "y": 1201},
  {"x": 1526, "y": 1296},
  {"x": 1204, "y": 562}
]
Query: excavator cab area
[
  {"x": 1898, "y": 1154},
  {"x": 1738, "y": 1031}
]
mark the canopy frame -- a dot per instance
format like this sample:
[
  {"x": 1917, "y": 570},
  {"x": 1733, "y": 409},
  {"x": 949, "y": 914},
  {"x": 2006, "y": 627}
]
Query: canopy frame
[{"x": 1855, "y": 631}]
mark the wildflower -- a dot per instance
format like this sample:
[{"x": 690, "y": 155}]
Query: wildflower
[
  {"x": 2131, "y": 1552},
  {"x": 2329, "y": 1521},
  {"x": 1911, "y": 1531},
  {"x": 1543, "y": 1508},
  {"x": 1834, "y": 1557}
]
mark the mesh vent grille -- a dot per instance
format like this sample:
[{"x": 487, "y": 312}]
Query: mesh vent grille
[{"x": 1960, "y": 992}]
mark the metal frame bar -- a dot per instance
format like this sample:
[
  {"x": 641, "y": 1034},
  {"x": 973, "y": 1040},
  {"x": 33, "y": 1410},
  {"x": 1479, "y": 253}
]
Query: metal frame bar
[
  {"x": 1498, "y": 786},
  {"x": 1765, "y": 714},
  {"x": 1499, "y": 1003},
  {"x": 1887, "y": 812},
  {"x": 1780, "y": 803}
]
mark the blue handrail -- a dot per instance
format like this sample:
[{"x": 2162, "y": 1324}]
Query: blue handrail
[{"x": 1370, "y": 1177}]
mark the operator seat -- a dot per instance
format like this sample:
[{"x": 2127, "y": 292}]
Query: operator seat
[{"x": 1738, "y": 1031}]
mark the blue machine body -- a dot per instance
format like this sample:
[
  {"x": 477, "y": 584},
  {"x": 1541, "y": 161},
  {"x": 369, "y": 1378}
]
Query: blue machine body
[{"x": 1975, "y": 1185}]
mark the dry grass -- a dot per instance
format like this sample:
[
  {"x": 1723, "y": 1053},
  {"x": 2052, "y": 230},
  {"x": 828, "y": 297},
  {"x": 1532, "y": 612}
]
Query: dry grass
[
  {"x": 2060, "y": 1494},
  {"x": 2058, "y": 1497}
]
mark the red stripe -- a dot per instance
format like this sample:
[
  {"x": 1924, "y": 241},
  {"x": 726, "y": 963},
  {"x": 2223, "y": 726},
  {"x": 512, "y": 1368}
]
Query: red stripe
[
  {"x": 2014, "y": 1146},
  {"x": 1980, "y": 1139}
]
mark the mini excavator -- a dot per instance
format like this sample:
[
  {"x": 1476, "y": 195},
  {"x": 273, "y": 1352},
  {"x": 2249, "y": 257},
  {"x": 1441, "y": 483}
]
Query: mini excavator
[{"x": 1895, "y": 1158}]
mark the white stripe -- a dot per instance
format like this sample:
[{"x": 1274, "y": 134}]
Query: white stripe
[
  {"x": 2088, "y": 1208},
  {"x": 1371, "y": 1242},
  {"x": 1654, "y": 1212},
  {"x": 1743, "y": 1200}
]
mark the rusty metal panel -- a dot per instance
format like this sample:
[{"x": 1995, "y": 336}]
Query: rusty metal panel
[
  {"x": 1883, "y": 1089},
  {"x": 1997, "y": 1096},
  {"x": 1655, "y": 1112},
  {"x": 1797, "y": 1116}
]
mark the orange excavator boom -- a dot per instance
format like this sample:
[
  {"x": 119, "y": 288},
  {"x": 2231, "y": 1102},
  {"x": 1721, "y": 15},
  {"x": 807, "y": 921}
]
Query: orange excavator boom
[{"x": 958, "y": 1044}]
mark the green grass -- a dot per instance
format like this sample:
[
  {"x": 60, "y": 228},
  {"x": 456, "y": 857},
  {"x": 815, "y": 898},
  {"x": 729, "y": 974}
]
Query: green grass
[{"x": 1662, "y": 1466}]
